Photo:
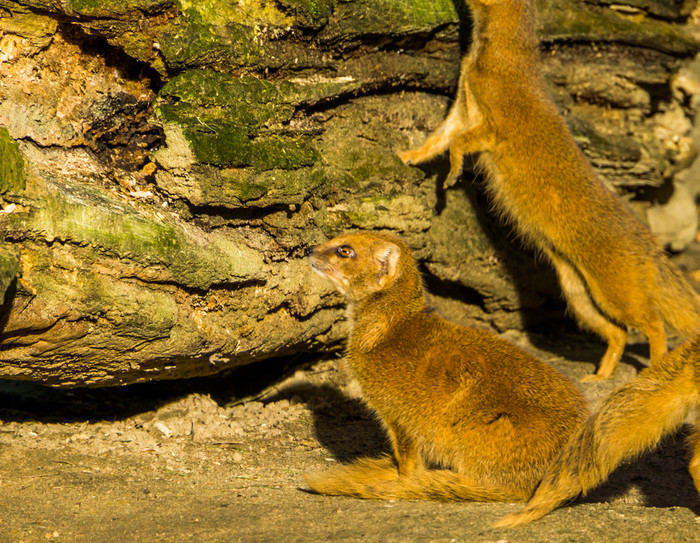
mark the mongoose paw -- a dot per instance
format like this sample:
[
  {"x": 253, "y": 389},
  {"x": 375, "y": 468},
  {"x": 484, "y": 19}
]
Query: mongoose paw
[
  {"x": 451, "y": 178},
  {"x": 406, "y": 157},
  {"x": 593, "y": 378}
]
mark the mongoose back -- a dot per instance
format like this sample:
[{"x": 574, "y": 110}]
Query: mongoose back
[
  {"x": 631, "y": 420},
  {"x": 487, "y": 413},
  {"x": 612, "y": 271}
]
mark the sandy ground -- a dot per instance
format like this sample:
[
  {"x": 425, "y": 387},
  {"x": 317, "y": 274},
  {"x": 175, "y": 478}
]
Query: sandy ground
[{"x": 181, "y": 462}]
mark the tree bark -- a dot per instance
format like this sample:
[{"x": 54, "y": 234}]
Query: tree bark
[{"x": 165, "y": 163}]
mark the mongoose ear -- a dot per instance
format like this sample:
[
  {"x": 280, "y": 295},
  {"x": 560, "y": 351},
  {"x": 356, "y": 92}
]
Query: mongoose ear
[{"x": 387, "y": 255}]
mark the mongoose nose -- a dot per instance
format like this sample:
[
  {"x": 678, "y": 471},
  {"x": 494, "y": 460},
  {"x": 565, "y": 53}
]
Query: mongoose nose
[{"x": 308, "y": 251}]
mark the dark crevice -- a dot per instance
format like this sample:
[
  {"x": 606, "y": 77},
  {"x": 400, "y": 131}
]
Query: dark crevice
[
  {"x": 382, "y": 43},
  {"x": 657, "y": 195},
  {"x": 229, "y": 216},
  {"x": 385, "y": 87},
  {"x": 659, "y": 93},
  {"x": 96, "y": 46},
  {"x": 452, "y": 289},
  {"x": 23, "y": 401},
  {"x": 118, "y": 128}
]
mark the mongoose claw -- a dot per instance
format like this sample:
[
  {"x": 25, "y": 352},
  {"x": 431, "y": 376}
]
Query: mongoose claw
[{"x": 407, "y": 157}]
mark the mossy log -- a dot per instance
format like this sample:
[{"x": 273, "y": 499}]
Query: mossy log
[{"x": 163, "y": 164}]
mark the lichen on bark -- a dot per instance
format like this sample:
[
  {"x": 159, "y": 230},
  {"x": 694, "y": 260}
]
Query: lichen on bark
[
  {"x": 12, "y": 172},
  {"x": 169, "y": 160}
]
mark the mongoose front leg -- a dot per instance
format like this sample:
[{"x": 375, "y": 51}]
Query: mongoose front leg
[
  {"x": 472, "y": 140},
  {"x": 463, "y": 115},
  {"x": 405, "y": 451},
  {"x": 440, "y": 139},
  {"x": 656, "y": 333}
]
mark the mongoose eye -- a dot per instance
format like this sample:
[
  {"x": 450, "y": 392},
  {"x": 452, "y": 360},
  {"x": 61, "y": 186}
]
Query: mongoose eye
[{"x": 345, "y": 251}]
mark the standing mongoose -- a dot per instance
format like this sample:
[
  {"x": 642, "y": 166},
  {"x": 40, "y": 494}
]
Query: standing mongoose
[
  {"x": 633, "y": 419},
  {"x": 488, "y": 414},
  {"x": 612, "y": 271}
]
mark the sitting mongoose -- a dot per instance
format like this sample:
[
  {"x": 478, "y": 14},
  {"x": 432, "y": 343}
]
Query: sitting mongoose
[
  {"x": 489, "y": 415},
  {"x": 612, "y": 271},
  {"x": 631, "y": 420}
]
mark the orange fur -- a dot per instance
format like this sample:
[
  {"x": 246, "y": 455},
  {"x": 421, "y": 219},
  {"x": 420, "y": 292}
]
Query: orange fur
[
  {"x": 633, "y": 419},
  {"x": 489, "y": 414},
  {"x": 612, "y": 271}
]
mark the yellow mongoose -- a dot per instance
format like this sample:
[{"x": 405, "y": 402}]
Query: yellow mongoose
[
  {"x": 611, "y": 269},
  {"x": 632, "y": 419},
  {"x": 487, "y": 413}
]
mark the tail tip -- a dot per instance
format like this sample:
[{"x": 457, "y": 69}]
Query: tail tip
[
  {"x": 517, "y": 519},
  {"x": 510, "y": 521},
  {"x": 317, "y": 482}
]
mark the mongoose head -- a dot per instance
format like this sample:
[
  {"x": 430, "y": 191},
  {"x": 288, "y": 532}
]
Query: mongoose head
[{"x": 359, "y": 264}]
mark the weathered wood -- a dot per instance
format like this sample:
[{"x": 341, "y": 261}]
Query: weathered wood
[{"x": 164, "y": 163}]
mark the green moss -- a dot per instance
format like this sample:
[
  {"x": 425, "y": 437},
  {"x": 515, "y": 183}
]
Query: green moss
[
  {"x": 87, "y": 217},
  {"x": 228, "y": 145},
  {"x": 230, "y": 36},
  {"x": 360, "y": 220},
  {"x": 246, "y": 100},
  {"x": 241, "y": 190},
  {"x": 393, "y": 16},
  {"x": 219, "y": 14},
  {"x": 242, "y": 122},
  {"x": 365, "y": 171},
  {"x": 288, "y": 186},
  {"x": 311, "y": 13},
  {"x": 379, "y": 202},
  {"x": 204, "y": 94},
  {"x": 9, "y": 268},
  {"x": 12, "y": 171},
  {"x": 237, "y": 186},
  {"x": 194, "y": 42},
  {"x": 104, "y": 224},
  {"x": 232, "y": 144},
  {"x": 39, "y": 29},
  {"x": 131, "y": 309},
  {"x": 112, "y": 8},
  {"x": 316, "y": 9}
]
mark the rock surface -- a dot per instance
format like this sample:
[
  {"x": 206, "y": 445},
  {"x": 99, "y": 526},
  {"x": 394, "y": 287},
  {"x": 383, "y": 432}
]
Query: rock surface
[{"x": 163, "y": 164}]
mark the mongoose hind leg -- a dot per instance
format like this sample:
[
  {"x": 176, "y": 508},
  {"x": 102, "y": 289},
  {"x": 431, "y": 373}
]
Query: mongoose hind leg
[{"x": 586, "y": 312}]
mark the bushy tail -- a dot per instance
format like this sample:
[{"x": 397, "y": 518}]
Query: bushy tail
[
  {"x": 631, "y": 420},
  {"x": 378, "y": 478},
  {"x": 676, "y": 300}
]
